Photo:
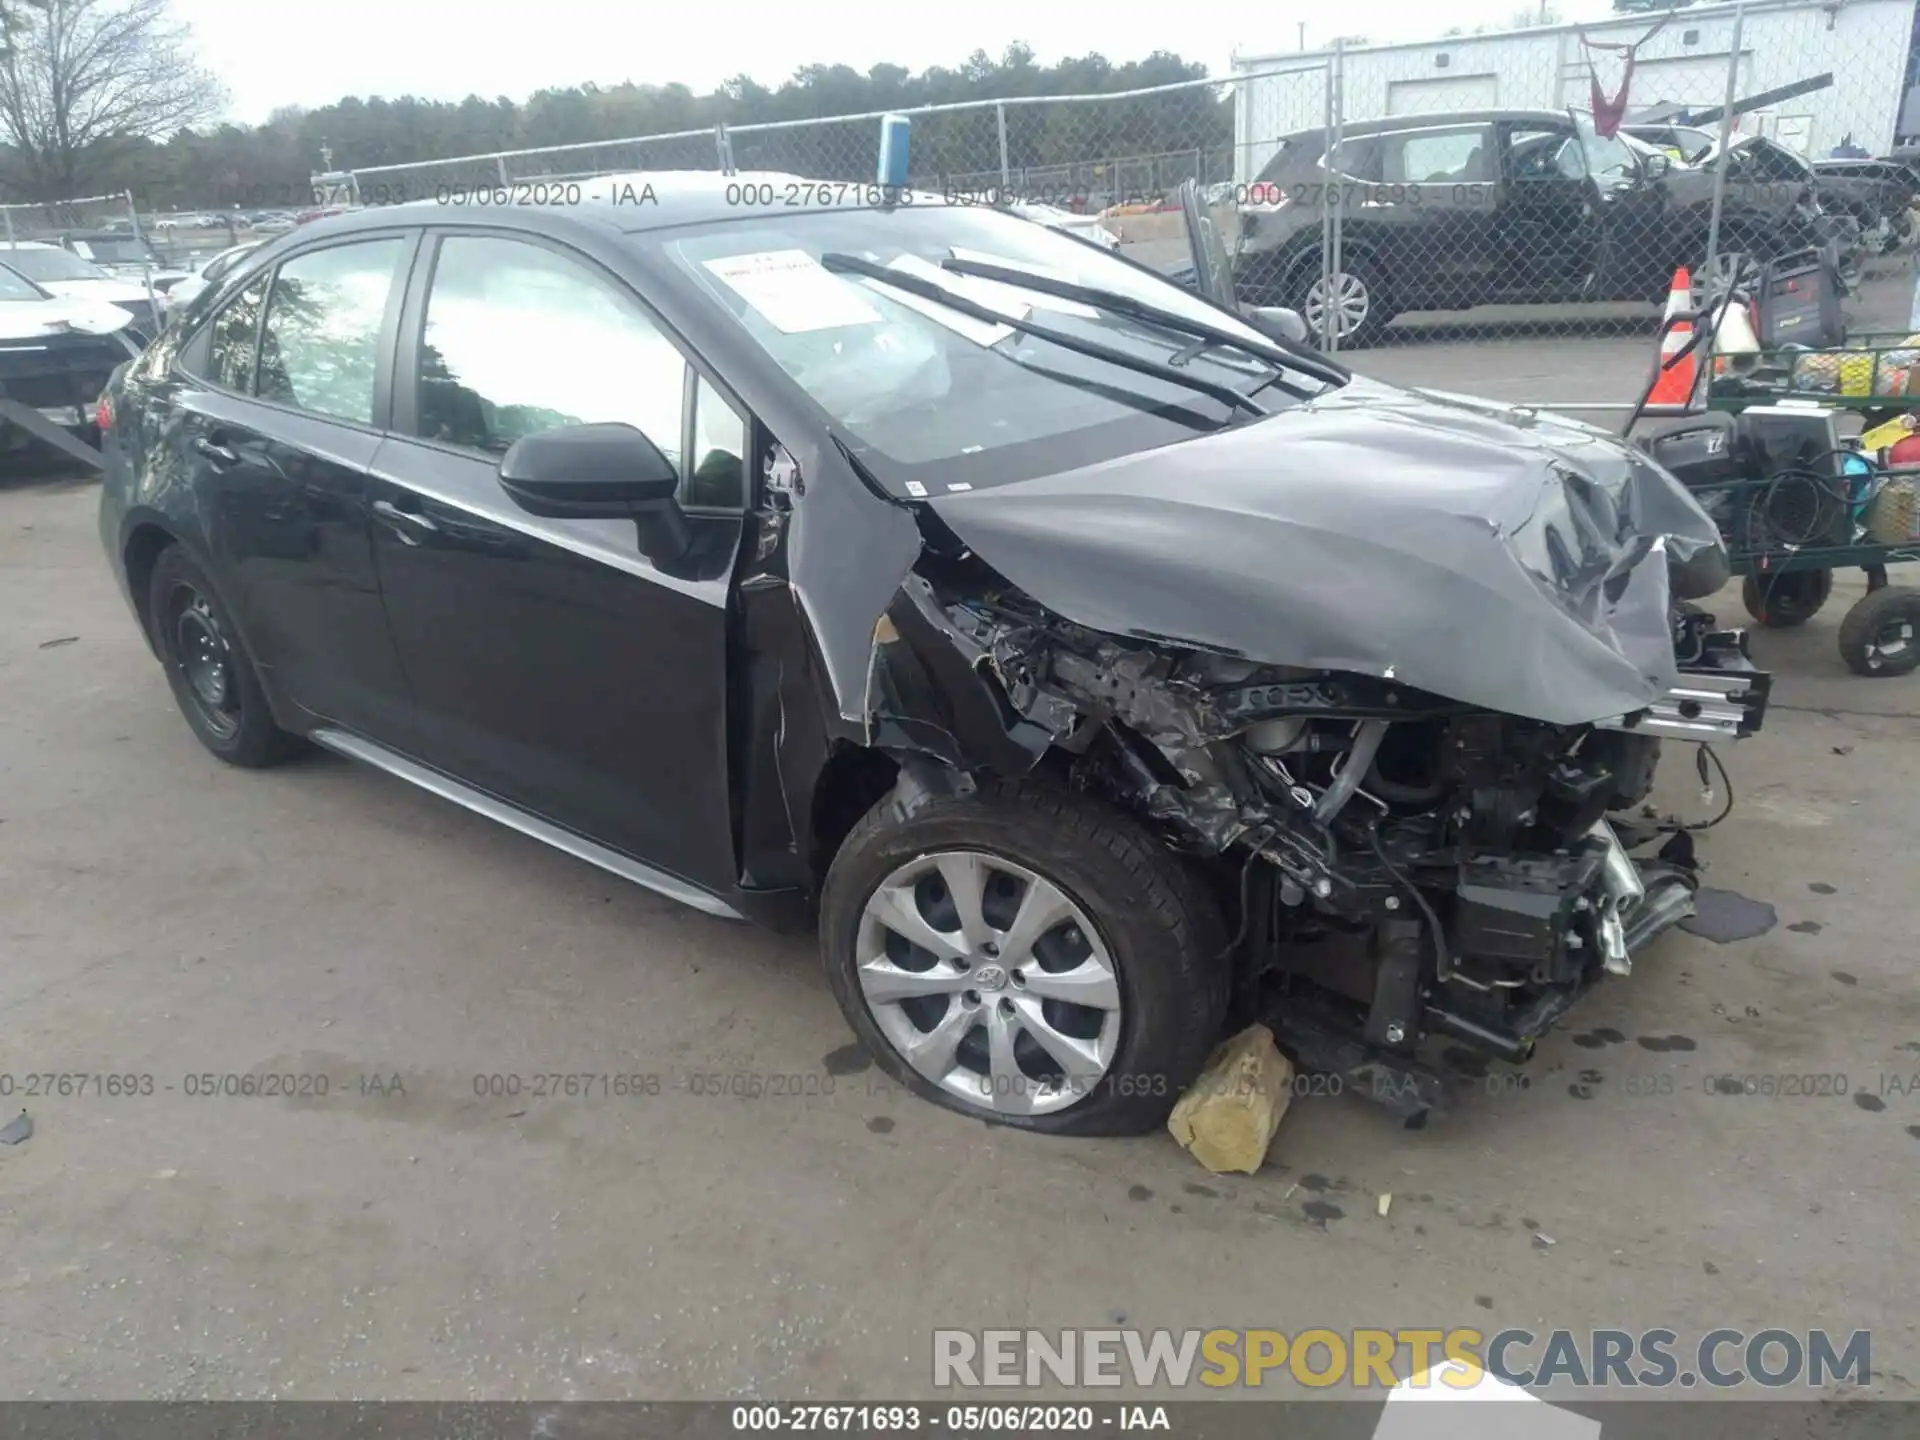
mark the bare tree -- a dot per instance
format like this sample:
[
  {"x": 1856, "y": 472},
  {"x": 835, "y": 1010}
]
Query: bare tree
[{"x": 80, "y": 79}]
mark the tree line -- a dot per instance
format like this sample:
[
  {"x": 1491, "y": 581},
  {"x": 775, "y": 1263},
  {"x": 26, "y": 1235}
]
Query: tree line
[{"x": 70, "y": 129}]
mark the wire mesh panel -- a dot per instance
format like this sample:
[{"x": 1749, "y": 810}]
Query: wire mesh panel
[
  {"x": 1483, "y": 208},
  {"x": 101, "y": 248},
  {"x": 1513, "y": 204}
]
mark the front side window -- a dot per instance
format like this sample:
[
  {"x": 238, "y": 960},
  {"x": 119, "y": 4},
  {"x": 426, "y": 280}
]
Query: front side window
[
  {"x": 519, "y": 338},
  {"x": 716, "y": 470},
  {"x": 1436, "y": 157},
  {"x": 1544, "y": 154},
  {"x": 235, "y": 335},
  {"x": 320, "y": 347}
]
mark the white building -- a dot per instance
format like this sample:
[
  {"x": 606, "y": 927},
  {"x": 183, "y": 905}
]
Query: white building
[{"x": 1863, "y": 43}]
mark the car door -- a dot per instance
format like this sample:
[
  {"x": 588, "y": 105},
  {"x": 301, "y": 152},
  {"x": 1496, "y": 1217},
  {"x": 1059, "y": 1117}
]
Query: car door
[
  {"x": 553, "y": 665},
  {"x": 277, "y": 430},
  {"x": 1431, "y": 213},
  {"x": 1547, "y": 228}
]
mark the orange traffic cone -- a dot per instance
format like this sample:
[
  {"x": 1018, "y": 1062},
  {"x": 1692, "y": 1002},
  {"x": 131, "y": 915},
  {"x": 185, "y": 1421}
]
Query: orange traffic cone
[{"x": 1674, "y": 385}]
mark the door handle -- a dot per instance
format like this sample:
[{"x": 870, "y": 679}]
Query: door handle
[
  {"x": 403, "y": 520},
  {"x": 218, "y": 454}
]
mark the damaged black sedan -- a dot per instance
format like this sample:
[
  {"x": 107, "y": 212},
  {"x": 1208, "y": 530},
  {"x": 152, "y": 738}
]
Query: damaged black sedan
[{"x": 1095, "y": 668}]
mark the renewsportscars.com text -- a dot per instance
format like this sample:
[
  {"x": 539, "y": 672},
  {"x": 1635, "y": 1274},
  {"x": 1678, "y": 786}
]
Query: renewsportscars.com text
[{"x": 1367, "y": 1359}]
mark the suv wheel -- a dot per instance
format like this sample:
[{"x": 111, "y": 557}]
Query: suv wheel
[
  {"x": 213, "y": 679},
  {"x": 1025, "y": 956},
  {"x": 1356, "y": 295}
]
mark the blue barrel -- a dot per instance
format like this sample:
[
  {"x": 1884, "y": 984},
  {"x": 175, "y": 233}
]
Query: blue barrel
[{"x": 894, "y": 131}]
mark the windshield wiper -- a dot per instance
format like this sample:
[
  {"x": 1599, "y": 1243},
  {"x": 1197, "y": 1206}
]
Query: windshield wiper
[
  {"x": 940, "y": 295},
  {"x": 1118, "y": 304}
]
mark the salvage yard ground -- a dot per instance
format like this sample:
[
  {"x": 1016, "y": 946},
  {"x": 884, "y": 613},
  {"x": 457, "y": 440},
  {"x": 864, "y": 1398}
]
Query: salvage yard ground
[{"x": 408, "y": 1235}]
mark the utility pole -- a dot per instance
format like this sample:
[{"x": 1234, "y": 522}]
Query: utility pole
[{"x": 1303, "y": 35}]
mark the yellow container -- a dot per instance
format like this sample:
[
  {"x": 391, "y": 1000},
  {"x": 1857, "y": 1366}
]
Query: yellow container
[{"x": 1856, "y": 374}]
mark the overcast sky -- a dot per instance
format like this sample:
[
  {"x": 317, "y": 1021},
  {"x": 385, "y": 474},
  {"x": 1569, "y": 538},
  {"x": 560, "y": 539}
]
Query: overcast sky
[{"x": 446, "y": 49}]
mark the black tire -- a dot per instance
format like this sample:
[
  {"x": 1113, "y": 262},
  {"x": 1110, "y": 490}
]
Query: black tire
[
  {"x": 1373, "y": 283},
  {"x": 1880, "y": 635},
  {"x": 194, "y": 636},
  {"x": 1782, "y": 602},
  {"x": 1164, "y": 933}
]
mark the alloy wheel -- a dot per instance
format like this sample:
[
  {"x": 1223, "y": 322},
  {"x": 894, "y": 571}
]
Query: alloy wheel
[
  {"x": 990, "y": 981},
  {"x": 1348, "y": 298}
]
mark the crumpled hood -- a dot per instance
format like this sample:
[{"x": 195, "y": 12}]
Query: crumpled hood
[{"x": 1490, "y": 555}]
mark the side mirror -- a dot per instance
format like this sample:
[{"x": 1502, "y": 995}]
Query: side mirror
[
  {"x": 1280, "y": 323},
  {"x": 1657, "y": 165},
  {"x": 607, "y": 471}
]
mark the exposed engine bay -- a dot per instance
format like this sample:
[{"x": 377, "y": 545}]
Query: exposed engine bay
[{"x": 1400, "y": 865}]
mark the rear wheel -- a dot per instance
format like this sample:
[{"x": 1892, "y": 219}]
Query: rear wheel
[
  {"x": 212, "y": 676},
  {"x": 1355, "y": 299},
  {"x": 1026, "y": 956}
]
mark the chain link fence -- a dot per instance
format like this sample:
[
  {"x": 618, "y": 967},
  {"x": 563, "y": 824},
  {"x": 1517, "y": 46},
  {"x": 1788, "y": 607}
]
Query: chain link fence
[
  {"x": 1501, "y": 210},
  {"x": 90, "y": 247}
]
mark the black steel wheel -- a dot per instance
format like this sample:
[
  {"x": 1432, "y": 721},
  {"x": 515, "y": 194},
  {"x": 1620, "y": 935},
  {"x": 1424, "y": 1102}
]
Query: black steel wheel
[
  {"x": 1781, "y": 602},
  {"x": 212, "y": 676},
  {"x": 1880, "y": 635}
]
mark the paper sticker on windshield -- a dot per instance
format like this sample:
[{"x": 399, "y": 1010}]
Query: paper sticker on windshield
[{"x": 793, "y": 292}]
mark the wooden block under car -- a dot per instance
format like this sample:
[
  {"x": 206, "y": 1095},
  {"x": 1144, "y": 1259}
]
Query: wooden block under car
[{"x": 1228, "y": 1116}]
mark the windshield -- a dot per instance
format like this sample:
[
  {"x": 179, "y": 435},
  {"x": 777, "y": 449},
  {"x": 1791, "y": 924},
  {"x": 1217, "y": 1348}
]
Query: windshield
[
  {"x": 934, "y": 399},
  {"x": 116, "y": 250},
  {"x": 14, "y": 286},
  {"x": 50, "y": 265}
]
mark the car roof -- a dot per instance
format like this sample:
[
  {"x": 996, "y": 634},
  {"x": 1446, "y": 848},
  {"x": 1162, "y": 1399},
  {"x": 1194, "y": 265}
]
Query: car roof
[
  {"x": 625, "y": 203},
  {"x": 1436, "y": 118},
  {"x": 33, "y": 245}
]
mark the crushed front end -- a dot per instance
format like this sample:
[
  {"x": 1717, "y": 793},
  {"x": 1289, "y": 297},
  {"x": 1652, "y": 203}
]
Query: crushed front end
[{"x": 1401, "y": 866}]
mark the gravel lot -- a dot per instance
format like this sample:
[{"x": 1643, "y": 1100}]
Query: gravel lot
[{"x": 163, "y": 915}]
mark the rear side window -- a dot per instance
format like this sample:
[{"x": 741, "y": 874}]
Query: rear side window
[
  {"x": 235, "y": 335},
  {"x": 1436, "y": 157},
  {"x": 1359, "y": 159},
  {"x": 320, "y": 346}
]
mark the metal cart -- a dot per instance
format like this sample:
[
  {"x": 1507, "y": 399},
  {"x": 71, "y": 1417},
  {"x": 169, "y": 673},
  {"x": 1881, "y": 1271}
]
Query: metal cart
[{"x": 1786, "y": 533}]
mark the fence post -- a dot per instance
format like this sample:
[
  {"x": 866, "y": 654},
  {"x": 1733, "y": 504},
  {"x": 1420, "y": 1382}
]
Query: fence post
[
  {"x": 146, "y": 269},
  {"x": 8, "y": 210},
  {"x": 723, "y": 147},
  {"x": 1338, "y": 83},
  {"x": 1006, "y": 170},
  {"x": 1726, "y": 134},
  {"x": 500, "y": 166}
]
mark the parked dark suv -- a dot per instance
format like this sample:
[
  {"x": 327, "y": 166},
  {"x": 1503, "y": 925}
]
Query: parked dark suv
[
  {"x": 1450, "y": 211},
  {"x": 1091, "y": 665}
]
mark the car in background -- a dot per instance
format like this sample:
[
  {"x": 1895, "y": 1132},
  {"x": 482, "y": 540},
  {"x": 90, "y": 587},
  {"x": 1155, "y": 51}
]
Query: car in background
[
  {"x": 1686, "y": 143},
  {"x": 209, "y": 274},
  {"x": 57, "y": 353},
  {"x": 59, "y": 271},
  {"x": 1492, "y": 207},
  {"x": 273, "y": 224},
  {"x": 1879, "y": 194},
  {"x": 130, "y": 257},
  {"x": 1084, "y": 227}
]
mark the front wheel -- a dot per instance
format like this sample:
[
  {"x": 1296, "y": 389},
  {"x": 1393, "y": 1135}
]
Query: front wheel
[{"x": 1026, "y": 956}]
